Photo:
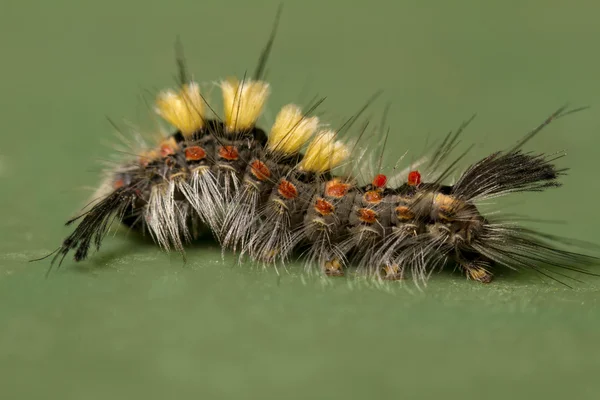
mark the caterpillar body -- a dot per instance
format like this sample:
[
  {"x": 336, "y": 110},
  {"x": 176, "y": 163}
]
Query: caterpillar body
[{"x": 269, "y": 195}]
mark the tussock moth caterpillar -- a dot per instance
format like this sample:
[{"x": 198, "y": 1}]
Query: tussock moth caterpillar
[{"x": 267, "y": 193}]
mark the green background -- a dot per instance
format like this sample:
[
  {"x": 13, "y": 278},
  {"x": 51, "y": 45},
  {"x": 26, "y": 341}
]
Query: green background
[{"x": 133, "y": 322}]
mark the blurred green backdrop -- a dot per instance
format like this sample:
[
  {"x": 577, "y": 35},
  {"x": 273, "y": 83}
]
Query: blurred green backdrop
[{"x": 135, "y": 323}]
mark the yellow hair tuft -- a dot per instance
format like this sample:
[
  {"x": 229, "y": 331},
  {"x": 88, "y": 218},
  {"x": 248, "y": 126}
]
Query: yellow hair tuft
[
  {"x": 243, "y": 103},
  {"x": 324, "y": 153},
  {"x": 183, "y": 110},
  {"x": 291, "y": 130}
]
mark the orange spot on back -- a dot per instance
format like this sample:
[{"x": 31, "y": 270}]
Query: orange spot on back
[
  {"x": 445, "y": 201},
  {"x": 335, "y": 188},
  {"x": 287, "y": 190},
  {"x": 379, "y": 181},
  {"x": 260, "y": 170},
  {"x": 373, "y": 196},
  {"x": 366, "y": 215},
  {"x": 119, "y": 183},
  {"x": 323, "y": 207},
  {"x": 167, "y": 147},
  {"x": 229, "y": 153},
  {"x": 194, "y": 153},
  {"x": 166, "y": 150},
  {"x": 403, "y": 213},
  {"x": 447, "y": 206},
  {"x": 414, "y": 178}
]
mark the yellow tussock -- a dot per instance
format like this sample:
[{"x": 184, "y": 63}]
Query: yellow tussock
[
  {"x": 324, "y": 153},
  {"x": 183, "y": 110},
  {"x": 291, "y": 130},
  {"x": 243, "y": 102}
]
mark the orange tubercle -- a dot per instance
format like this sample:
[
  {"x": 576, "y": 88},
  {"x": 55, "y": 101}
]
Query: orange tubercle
[
  {"x": 229, "y": 153},
  {"x": 260, "y": 170},
  {"x": 366, "y": 215},
  {"x": 166, "y": 150},
  {"x": 323, "y": 207},
  {"x": 404, "y": 213},
  {"x": 194, "y": 153},
  {"x": 336, "y": 188},
  {"x": 168, "y": 147},
  {"x": 119, "y": 183},
  {"x": 287, "y": 189},
  {"x": 373, "y": 196}
]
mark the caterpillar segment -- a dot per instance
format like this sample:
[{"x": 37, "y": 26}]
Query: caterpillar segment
[{"x": 264, "y": 178}]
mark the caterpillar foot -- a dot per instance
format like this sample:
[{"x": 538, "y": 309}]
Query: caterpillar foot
[
  {"x": 333, "y": 268},
  {"x": 478, "y": 273},
  {"x": 391, "y": 272}
]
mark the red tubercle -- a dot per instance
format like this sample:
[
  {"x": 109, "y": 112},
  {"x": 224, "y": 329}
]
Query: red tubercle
[
  {"x": 287, "y": 189},
  {"x": 367, "y": 215},
  {"x": 336, "y": 188},
  {"x": 324, "y": 207},
  {"x": 379, "y": 181},
  {"x": 229, "y": 153},
  {"x": 260, "y": 170},
  {"x": 414, "y": 178},
  {"x": 119, "y": 183},
  {"x": 194, "y": 153}
]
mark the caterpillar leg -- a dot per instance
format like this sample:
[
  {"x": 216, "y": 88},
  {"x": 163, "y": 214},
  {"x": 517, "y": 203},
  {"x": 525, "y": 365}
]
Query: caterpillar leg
[
  {"x": 476, "y": 268},
  {"x": 391, "y": 272},
  {"x": 334, "y": 268}
]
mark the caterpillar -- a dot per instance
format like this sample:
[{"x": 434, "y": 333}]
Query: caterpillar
[{"x": 269, "y": 195}]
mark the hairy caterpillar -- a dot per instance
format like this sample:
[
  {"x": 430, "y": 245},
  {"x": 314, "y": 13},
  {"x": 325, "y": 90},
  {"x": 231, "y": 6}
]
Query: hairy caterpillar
[{"x": 269, "y": 194}]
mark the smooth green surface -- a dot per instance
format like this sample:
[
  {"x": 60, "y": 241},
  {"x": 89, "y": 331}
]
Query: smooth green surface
[{"x": 135, "y": 323}]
